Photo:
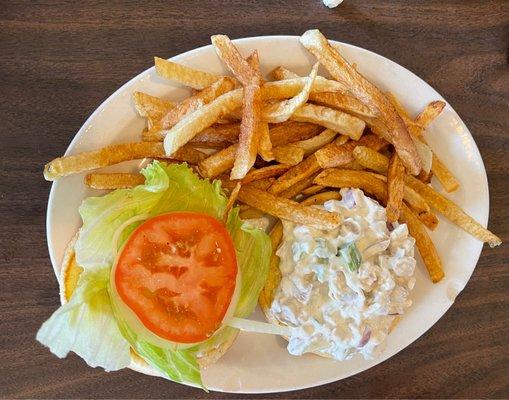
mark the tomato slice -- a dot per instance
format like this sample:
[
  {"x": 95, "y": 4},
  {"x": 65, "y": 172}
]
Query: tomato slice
[{"x": 177, "y": 272}]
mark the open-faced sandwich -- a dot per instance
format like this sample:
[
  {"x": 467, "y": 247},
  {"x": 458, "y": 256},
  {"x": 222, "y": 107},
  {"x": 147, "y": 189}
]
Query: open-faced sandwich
[{"x": 166, "y": 268}]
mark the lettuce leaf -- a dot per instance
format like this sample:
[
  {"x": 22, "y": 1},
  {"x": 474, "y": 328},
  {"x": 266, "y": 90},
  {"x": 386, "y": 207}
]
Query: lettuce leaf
[
  {"x": 86, "y": 325},
  {"x": 167, "y": 188}
]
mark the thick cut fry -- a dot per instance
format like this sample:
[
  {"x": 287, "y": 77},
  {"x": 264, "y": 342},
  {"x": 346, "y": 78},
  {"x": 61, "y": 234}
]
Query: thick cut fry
[
  {"x": 314, "y": 189},
  {"x": 151, "y": 106},
  {"x": 250, "y": 129},
  {"x": 310, "y": 145},
  {"x": 429, "y": 219},
  {"x": 265, "y": 172},
  {"x": 114, "y": 154},
  {"x": 287, "y": 209},
  {"x": 395, "y": 188},
  {"x": 301, "y": 171},
  {"x": 343, "y": 102},
  {"x": 454, "y": 213},
  {"x": 113, "y": 181},
  {"x": 185, "y": 75},
  {"x": 320, "y": 198},
  {"x": 192, "y": 124},
  {"x": 283, "y": 110},
  {"x": 218, "y": 163},
  {"x": 198, "y": 100},
  {"x": 424, "y": 244},
  {"x": 269, "y": 290},
  {"x": 334, "y": 155},
  {"x": 335, "y": 120},
  {"x": 367, "y": 93},
  {"x": 291, "y": 131},
  {"x": 288, "y": 154},
  {"x": 369, "y": 183},
  {"x": 371, "y": 159},
  {"x": 430, "y": 112},
  {"x": 231, "y": 201},
  {"x": 297, "y": 188}
]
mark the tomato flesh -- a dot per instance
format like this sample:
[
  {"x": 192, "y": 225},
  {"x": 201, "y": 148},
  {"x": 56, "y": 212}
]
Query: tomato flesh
[{"x": 177, "y": 272}]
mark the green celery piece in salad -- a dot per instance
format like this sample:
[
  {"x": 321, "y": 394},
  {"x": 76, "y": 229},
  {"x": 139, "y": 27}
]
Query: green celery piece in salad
[
  {"x": 351, "y": 255},
  {"x": 169, "y": 188}
]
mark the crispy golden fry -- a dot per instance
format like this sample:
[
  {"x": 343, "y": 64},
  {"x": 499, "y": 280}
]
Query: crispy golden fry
[
  {"x": 265, "y": 144},
  {"x": 268, "y": 291},
  {"x": 287, "y": 209},
  {"x": 444, "y": 175},
  {"x": 326, "y": 85},
  {"x": 265, "y": 172},
  {"x": 334, "y": 155},
  {"x": 185, "y": 75},
  {"x": 424, "y": 244},
  {"x": 454, "y": 213},
  {"x": 192, "y": 124},
  {"x": 343, "y": 102},
  {"x": 231, "y": 201},
  {"x": 250, "y": 128},
  {"x": 429, "y": 219},
  {"x": 291, "y": 131},
  {"x": 219, "y": 134},
  {"x": 198, "y": 100},
  {"x": 414, "y": 129},
  {"x": 320, "y": 198},
  {"x": 151, "y": 106},
  {"x": 395, "y": 188},
  {"x": 311, "y": 145},
  {"x": 368, "y": 93},
  {"x": 369, "y": 183},
  {"x": 262, "y": 184},
  {"x": 301, "y": 171},
  {"x": 431, "y": 111},
  {"x": 335, "y": 120},
  {"x": 113, "y": 181},
  {"x": 283, "y": 110},
  {"x": 371, "y": 159},
  {"x": 288, "y": 154},
  {"x": 297, "y": 188},
  {"x": 114, "y": 154},
  {"x": 218, "y": 163},
  {"x": 314, "y": 189}
]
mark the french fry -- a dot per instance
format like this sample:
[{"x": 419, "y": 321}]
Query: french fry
[
  {"x": 371, "y": 159},
  {"x": 429, "y": 219},
  {"x": 444, "y": 175},
  {"x": 291, "y": 131},
  {"x": 297, "y": 188},
  {"x": 430, "y": 112},
  {"x": 424, "y": 244},
  {"x": 326, "y": 85},
  {"x": 287, "y": 209},
  {"x": 185, "y": 75},
  {"x": 198, "y": 100},
  {"x": 334, "y": 155},
  {"x": 151, "y": 106},
  {"x": 369, "y": 183},
  {"x": 301, "y": 171},
  {"x": 249, "y": 212},
  {"x": 307, "y": 146},
  {"x": 265, "y": 144},
  {"x": 218, "y": 163},
  {"x": 113, "y": 181},
  {"x": 283, "y": 110},
  {"x": 314, "y": 189},
  {"x": 395, "y": 188},
  {"x": 451, "y": 211},
  {"x": 289, "y": 154},
  {"x": 265, "y": 172},
  {"x": 335, "y": 120},
  {"x": 320, "y": 198},
  {"x": 267, "y": 293},
  {"x": 114, "y": 154},
  {"x": 368, "y": 93},
  {"x": 231, "y": 201}
]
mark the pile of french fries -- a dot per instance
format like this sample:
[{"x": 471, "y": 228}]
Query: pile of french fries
[{"x": 281, "y": 146}]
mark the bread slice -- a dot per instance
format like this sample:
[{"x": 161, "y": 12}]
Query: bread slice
[{"x": 69, "y": 276}]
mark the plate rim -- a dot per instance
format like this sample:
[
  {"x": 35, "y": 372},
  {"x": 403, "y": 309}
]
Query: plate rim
[{"x": 70, "y": 147}]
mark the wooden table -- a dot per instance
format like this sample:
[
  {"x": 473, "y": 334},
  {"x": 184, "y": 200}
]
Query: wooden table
[{"x": 60, "y": 60}]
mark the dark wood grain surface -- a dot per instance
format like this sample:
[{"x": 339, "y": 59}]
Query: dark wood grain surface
[{"x": 59, "y": 60}]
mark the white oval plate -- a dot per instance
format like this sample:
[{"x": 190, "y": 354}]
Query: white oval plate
[{"x": 259, "y": 363}]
